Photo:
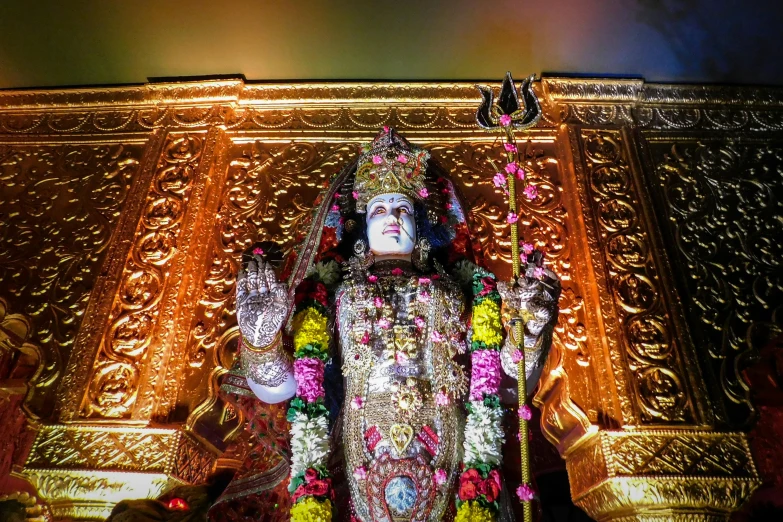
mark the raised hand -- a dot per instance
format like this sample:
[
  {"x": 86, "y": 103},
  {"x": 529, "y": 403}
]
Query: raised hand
[{"x": 262, "y": 303}]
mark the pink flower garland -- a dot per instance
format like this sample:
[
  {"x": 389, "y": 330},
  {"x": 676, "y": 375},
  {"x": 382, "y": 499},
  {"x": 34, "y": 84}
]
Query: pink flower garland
[
  {"x": 309, "y": 375},
  {"x": 485, "y": 376}
]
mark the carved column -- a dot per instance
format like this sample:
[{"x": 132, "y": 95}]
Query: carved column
[{"x": 650, "y": 449}]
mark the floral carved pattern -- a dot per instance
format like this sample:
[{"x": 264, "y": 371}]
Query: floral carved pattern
[
  {"x": 59, "y": 205},
  {"x": 115, "y": 377},
  {"x": 544, "y": 223},
  {"x": 722, "y": 201},
  {"x": 651, "y": 350},
  {"x": 270, "y": 191}
]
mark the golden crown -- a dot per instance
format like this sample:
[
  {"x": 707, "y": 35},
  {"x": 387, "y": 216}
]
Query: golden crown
[{"x": 391, "y": 165}]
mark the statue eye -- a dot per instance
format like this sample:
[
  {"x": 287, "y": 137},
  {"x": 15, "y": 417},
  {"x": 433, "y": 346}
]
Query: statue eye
[
  {"x": 404, "y": 210},
  {"x": 378, "y": 210}
]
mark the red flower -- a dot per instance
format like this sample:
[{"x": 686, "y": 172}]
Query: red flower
[
  {"x": 310, "y": 475},
  {"x": 490, "y": 285},
  {"x": 491, "y": 486},
  {"x": 468, "y": 484},
  {"x": 320, "y": 294},
  {"x": 316, "y": 488},
  {"x": 472, "y": 485}
]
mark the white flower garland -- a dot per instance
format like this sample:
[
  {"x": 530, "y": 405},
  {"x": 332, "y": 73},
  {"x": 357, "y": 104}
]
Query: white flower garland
[
  {"x": 483, "y": 435},
  {"x": 309, "y": 442}
]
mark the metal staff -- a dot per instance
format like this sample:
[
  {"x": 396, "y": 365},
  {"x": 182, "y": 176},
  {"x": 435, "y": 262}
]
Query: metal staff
[{"x": 506, "y": 115}]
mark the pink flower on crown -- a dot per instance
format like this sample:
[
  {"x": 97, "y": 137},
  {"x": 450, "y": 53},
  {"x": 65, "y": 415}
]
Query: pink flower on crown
[
  {"x": 538, "y": 272},
  {"x": 360, "y": 473},
  {"x": 419, "y": 322},
  {"x": 435, "y": 277},
  {"x": 505, "y": 120},
  {"x": 440, "y": 477},
  {"x": 365, "y": 338},
  {"x": 527, "y": 247},
  {"x": 512, "y": 218},
  {"x": 377, "y": 302},
  {"x": 384, "y": 323},
  {"x": 424, "y": 280},
  {"x": 335, "y": 208},
  {"x": 424, "y": 193},
  {"x": 523, "y": 257},
  {"x": 499, "y": 180},
  {"x": 516, "y": 356},
  {"x": 449, "y": 206},
  {"x": 258, "y": 251},
  {"x": 355, "y": 195},
  {"x": 511, "y": 168},
  {"x": 437, "y": 337},
  {"x": 372, "y": 278},
  {"x": 357, "y": 403},
  {"x": 402, "y": 158},
  {"x": 526, "y": 493},
  {"x": 386, "y": 129},
  {"x": 377, "y": 160},
  {"x": 520, "y": 174},
  {"x": 401, "y": 357},
  {"x": 525, "y": 413},
  {"x": 397, "y": 272},
  {"x": 442, "y": 398},
  {"x": 510, "y": 147},
  {"x": 531, "y": 192},
  {"x": 423, "y": 297}
]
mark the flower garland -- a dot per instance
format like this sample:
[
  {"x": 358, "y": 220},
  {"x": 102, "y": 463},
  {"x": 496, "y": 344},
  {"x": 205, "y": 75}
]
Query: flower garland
[
  {"x": 311, "y": 486},
  {"x": 480, "y": 484}
]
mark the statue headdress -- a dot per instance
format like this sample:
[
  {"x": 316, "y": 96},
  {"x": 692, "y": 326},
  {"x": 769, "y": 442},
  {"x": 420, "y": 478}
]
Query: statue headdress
[
  {"x": 391, "y": 165},
  {"x": 381, "y": 169}
]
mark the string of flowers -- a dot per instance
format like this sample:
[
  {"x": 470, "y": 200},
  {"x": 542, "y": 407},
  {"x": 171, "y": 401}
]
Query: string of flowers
[
  {"x": 311, "y": 486},
  {"x": 480, "y": 483}
]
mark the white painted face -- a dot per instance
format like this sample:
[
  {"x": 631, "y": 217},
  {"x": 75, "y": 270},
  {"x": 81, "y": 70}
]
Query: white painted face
[{"x": 391, "y": 228}]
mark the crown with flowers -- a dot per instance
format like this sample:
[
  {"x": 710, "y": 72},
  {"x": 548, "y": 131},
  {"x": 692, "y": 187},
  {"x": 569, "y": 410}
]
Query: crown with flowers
[{"x": 392, "y": 165}]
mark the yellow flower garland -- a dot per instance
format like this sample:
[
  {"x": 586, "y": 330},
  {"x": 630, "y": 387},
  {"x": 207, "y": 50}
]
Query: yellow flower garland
[
  {"x": 486, "y": 323},
  {"x": 311, "y": 510},
  {"x": 310, "y": 327},
  {"x": 471, "y": 511}
]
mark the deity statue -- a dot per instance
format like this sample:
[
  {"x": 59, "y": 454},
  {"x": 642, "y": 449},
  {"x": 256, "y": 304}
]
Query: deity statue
[{"x": 385, "y": 345}]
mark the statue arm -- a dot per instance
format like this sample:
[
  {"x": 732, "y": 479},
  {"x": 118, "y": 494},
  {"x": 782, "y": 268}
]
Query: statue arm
[
  {"x": 262, "y": 307},
  {"x": 533, "y": 300},
  {"x": 269, "y": 370}
]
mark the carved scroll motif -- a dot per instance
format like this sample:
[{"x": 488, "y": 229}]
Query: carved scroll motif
[
  {"x": 270, "y": 191},
  {"x": 651, "y": 350},
  {"x": 724, "y": 210},
  {"x": 545, "y": 223},
  {"x": 59, "y": 205},
  {"x": 115, "y": 378}
]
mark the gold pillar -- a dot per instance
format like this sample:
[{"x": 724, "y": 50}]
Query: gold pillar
[{"x": 131, "y": 204}]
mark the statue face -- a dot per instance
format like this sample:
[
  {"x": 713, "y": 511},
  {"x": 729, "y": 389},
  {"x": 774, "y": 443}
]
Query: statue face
[{"x": 391, "y": 228}]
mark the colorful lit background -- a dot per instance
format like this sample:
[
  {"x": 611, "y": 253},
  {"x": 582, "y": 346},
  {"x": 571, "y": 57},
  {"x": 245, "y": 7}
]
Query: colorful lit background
[{"x": 51, "y": 43}]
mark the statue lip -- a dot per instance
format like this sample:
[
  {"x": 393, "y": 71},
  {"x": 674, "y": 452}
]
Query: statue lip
[{"x": 391, "y": 230}]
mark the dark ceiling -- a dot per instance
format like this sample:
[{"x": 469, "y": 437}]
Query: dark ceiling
[{"x": 47, "y": 43}]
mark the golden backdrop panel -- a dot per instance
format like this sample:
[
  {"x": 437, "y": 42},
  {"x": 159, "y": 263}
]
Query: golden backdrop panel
[{"x": 61, "y": 203}]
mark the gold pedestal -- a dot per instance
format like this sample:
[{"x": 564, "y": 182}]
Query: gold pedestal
[
  {"x": 83, "y": 471},
  {"x": 657, "y": 475}
]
